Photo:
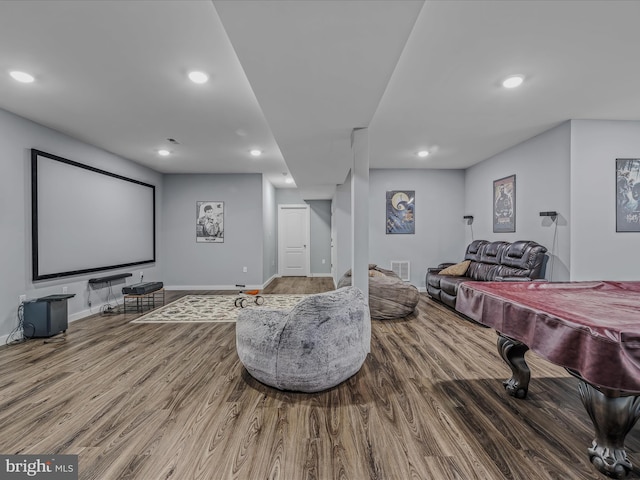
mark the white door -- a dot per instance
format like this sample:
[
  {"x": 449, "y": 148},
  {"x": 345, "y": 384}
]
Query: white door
[{"x": 293, "y": 240}]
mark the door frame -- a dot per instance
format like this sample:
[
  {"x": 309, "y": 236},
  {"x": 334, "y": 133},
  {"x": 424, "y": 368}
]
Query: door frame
[{"x": 307, "y": 255}]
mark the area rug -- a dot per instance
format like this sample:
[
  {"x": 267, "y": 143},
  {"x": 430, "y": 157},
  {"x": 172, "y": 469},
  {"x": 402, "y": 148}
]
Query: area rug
[{"x": 213, "y": 308}]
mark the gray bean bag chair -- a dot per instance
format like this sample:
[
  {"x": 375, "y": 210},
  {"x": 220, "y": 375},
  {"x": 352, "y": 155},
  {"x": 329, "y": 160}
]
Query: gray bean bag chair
[
  {"x": 321, "y": 342},
  {"x": 389, "y": 296}
]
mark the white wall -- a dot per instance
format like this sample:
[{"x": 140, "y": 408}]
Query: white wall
[
  {"x": 17, "y": 137},
  {"x": 439, "y": 205},
  {"x": 542, "y": 168},
  {"x": 597, "y": 251},
  {"x": 192, "y": 265}
]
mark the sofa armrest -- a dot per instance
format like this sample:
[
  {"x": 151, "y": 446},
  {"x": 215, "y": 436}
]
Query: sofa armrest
[{"x": 437, "y": 269}]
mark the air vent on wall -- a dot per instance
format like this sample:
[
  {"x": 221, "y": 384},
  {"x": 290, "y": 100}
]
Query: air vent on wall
[{"x": 401, "y": 268}]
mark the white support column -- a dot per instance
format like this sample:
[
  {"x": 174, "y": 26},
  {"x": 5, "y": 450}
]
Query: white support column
[{"x": 360, "y": 210}]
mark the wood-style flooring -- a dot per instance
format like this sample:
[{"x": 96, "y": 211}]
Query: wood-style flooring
[{"x": 172, "y": 401}]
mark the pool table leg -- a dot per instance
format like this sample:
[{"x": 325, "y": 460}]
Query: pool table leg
[
  {"x": 613, "y": 415},
  {"x": 512, "y": 352}
]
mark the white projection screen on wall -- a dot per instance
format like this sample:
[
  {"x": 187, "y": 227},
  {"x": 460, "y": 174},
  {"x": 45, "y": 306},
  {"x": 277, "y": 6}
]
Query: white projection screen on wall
[{"x": 86, "y": 220}]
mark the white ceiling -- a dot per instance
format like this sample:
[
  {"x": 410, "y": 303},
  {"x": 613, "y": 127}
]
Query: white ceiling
[{"x": 294, "y": 78}]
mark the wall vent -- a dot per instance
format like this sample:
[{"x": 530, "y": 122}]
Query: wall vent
[{"x": 401, "y": 268}]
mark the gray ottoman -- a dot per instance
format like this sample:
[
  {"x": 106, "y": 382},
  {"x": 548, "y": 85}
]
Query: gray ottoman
[
  {"x": 389, "y": 296},
  {"x": 321, "y": 342}
]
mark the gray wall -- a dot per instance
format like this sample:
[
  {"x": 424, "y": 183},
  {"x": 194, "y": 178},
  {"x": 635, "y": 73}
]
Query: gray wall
[
  {"x": 542, "y": 168},
  {"x": 341, "y": 211},
  {"x": 570, "y": 169},
  {"x": 320, "y": 218},
  {"x": 270, "y": 229},
  {"x": 439, "y": 204},
  {"x": 320, "y": 228},
  {"x": 191, "y": 265},
  {"x": 17, "y": 138},
  {"x": 598, "y": 252},
  {"x": 291, "y": 196}
]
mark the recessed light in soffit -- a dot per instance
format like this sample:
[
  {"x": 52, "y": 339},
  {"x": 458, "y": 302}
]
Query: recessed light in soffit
[
  {"x": 198, "y": 77},
  {"x": 22, "y": 77},
  {"x": 513, "y": 81}
]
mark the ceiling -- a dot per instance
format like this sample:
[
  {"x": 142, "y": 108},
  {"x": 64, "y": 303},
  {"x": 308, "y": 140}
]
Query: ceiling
[{"x": 294, "y": 78}]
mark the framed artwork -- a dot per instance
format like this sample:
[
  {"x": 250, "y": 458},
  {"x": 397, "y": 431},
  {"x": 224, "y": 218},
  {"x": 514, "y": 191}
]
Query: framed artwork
[
  {"x": 504, "y": 204},
  {"x": 401, "y": 212},
  {"x": 627, "y": 195},
  {"x": 210, "y": 222}
]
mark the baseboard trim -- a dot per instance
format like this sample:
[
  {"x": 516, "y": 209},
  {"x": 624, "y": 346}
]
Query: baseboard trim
[
  {"x": 233, "y": 287},
  {"x": 266, "y": 284},
  {"x": 212, "y": 287},
  {"x": 4, "y": 338}
]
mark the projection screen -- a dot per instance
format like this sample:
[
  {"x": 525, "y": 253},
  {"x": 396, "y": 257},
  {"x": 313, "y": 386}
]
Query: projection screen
[{"x": 84, "y": 219}]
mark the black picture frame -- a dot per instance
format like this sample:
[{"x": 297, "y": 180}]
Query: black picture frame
[
  {"x": 504, "y": 205},
  {"x": 400, "y": 212},
  {"x": 209, "y": 222},
  {"x": 627, "y": 195},
  {"x": 78, "y": 233}
]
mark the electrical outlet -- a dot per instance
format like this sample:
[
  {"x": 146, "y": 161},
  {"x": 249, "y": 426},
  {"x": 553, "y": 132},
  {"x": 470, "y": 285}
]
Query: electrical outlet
[
  {"x": 244, "y": 269},
  {"x": 65, "y": 289},
  {"x": 22, "y": 298},
  {"x": 324, "y": 261}
]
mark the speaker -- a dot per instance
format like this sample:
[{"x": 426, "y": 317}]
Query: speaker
[{"x": 45, "y": 317}]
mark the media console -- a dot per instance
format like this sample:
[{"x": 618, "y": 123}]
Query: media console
[
  {"x": 143, "y": 295},
  {"x": 142, "y": 288}
]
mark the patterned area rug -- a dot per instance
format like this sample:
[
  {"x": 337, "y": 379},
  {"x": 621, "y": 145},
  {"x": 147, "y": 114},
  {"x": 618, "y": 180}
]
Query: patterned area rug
[{"x": 213, "y": 308}]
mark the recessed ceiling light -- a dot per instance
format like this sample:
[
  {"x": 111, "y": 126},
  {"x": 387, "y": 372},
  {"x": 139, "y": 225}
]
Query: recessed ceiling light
[
  {"x": 198, "y": 77},
  {"x": 22, "y": 76},
  {"x": 289, "y": 180},
  {"x": 255, "y": 153},
  {"x": 164, "y": 153},
  {"x": 423, "y": 153},
  {"x": 513, "y": 81}
]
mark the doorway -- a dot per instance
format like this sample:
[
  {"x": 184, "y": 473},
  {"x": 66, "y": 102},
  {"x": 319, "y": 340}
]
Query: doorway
[{"x": 293, "y": 240}]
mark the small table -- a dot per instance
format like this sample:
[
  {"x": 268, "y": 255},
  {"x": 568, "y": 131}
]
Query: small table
[
  {"x": 143, "y": 300},
  {"x": 592, "y": 329}
]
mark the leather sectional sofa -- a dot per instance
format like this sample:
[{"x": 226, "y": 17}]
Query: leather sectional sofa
[{"x": 489, "y": 261}]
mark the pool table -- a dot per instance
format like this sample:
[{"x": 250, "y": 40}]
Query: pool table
[{"x": 592, "y": 329}]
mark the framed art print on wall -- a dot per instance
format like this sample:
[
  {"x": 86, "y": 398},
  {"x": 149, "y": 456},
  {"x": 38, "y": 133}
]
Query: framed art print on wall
[
  {"x": 400, "y": 212},
  {"x": 627, "y": 195},
  {"x": 504, "y": 204},
  {"x": 210, "y": 222}
]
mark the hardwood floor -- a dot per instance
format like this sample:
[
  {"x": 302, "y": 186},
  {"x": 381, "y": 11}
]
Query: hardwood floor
[{"x": 172, "y": 401}]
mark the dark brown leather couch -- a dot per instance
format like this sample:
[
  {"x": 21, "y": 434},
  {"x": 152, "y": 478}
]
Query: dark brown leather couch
[{"x": 490, "y": 261}]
